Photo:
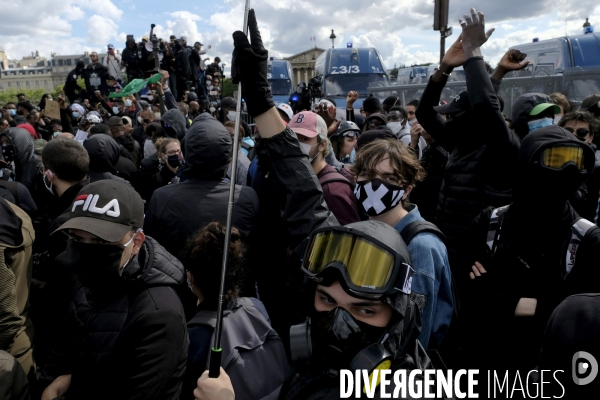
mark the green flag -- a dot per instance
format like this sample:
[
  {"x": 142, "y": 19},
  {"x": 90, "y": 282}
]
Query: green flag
[{"x": 136, "y": 85}]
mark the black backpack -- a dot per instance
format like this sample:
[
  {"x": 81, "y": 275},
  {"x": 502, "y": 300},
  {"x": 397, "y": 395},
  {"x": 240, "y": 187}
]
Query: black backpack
[{"x": 579, "y": 229}]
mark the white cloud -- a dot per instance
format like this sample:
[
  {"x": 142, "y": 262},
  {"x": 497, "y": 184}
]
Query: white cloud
[{"x": 100, "y": 30}]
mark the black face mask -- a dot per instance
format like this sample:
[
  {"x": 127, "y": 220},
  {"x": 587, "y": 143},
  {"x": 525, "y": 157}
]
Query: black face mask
[
  {"x": 8, "y": 152},
  {"x": 174, "y": 161},
  {"x": 96, "y": 266},
  {"x": 377, "y": 197},
  {"x": 338, "y": 337}
]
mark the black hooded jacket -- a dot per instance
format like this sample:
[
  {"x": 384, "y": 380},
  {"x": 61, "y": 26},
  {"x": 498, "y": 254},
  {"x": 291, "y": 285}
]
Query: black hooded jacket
[
  {"x": 573, "y": 328},
  {"x": 130, "y": 342},
  {"x": 521, "y": 109},
  {"x": 529, "y": 261},
  {"x": 176, "y": 120},
  {"x": 482, "y": 152},
  {"x": 176, "y": 211},
  {"x": 27, "y": 165},
  {"x": 105, "y": 156}
]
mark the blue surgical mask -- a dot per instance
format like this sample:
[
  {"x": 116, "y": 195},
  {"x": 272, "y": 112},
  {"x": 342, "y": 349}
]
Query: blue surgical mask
[
  {"x": 539, "y": 123},
  {"x": 12, "y": 112},
  {"x": 75, "y": 114}
]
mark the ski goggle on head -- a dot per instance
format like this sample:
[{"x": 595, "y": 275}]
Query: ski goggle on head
[
  {"x": 558, "y": 157},
  {"x": 370, "y": 268}
]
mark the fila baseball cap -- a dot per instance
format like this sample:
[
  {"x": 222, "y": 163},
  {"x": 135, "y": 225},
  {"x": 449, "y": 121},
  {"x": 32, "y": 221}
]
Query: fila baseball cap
[
  {"x": 107, "y": 209},
  {"x": 309, "y": 124}
]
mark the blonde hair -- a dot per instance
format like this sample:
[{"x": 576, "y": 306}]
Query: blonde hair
[{"x": 162, "y": 143}]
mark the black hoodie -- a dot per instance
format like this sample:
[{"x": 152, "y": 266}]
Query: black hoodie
[
  {"x": 573, "y": 328},
  {"x": 176, "y": 211},
  {"x": 521, "y": 109},
  {"x": 105, "y": 157},
  {"x": 530, "y": 258}
]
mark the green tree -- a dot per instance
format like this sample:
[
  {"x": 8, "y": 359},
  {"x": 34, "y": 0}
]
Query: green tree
[{"x": 228, "y": 87}]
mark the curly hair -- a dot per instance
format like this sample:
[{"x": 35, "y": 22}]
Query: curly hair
[
  {"x": 204, "y": 260},
  {"x": 583, "y": 116},
  {"x": 405, "y": 164}
]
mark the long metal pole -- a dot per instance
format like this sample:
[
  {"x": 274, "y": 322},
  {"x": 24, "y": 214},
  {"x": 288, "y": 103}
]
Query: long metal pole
[{"x": 216, "y": 352}]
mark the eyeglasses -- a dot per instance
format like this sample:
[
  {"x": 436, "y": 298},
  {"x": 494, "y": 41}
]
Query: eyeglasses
[
  {"x": 582, "y": 132},
  {"x": 173, "y": 152}
]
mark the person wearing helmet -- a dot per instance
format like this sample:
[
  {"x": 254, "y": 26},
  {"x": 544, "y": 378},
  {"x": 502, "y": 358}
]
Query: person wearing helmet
[
  {"x": 358, "y": 276},
  {"x": 94, "y": 118},
  {"x": 344, "y": 142},
  {"x": 526, "y": 258}
]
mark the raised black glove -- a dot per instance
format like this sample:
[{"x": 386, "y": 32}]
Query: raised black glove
[{"x": 249, "y": 66}]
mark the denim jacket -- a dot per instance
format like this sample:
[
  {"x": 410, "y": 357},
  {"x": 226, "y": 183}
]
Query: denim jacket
[{"x": 432, "y": 281}]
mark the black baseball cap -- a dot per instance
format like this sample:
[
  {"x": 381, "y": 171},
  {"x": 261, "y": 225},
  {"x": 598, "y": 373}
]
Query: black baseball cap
[
  {"x": 459, "y": 103},
  {"x": 107, "y": 209}
]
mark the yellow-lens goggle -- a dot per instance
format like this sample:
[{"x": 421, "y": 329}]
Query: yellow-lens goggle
[
  {"x": 558, "y": 157},
  {"x": 368, "y": 267}
]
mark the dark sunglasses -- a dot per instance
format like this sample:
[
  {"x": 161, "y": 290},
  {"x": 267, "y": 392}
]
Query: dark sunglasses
[{"x": 582, "y": 132}]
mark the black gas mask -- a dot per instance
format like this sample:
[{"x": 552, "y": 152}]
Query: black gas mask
[{"x": 334, "y": 340}]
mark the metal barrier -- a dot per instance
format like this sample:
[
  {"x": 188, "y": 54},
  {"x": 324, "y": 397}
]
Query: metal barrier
[
  {"x": 575, "y": 84},
  {"x": 247, "y": 119}
]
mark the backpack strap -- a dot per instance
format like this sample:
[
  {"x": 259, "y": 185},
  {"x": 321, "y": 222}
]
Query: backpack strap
[
  {"x": 414, "y": 228},
  {"x": 334, "y": 177},
  {"x": 246, "y": 146},
  {"x": 578, "y": 231},
  {"x": 495, "y": 227}
]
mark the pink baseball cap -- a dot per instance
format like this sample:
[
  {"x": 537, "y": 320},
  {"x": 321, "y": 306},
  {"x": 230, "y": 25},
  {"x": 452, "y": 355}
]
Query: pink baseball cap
[{"x": 308, "y": 124}]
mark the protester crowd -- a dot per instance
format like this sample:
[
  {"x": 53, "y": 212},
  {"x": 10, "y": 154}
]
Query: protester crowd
[{"x": 433, "y": 235}]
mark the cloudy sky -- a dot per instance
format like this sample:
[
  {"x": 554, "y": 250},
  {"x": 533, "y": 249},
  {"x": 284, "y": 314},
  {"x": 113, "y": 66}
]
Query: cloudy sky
[{"x": 400, "y": 29}]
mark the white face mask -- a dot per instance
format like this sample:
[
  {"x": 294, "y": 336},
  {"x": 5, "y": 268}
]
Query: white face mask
[
  {"x": 212, "y": 109},
  {"x": 395, "y": 126},
  {"x": 231, "y": 115},
  {"x": 557, "y": 118},
  {"x": 156, "y": 115},
  {"x": 150, "y": 97},
  {"x": 128, "y": 103},
  {"x": 115, "y": 110},
  {"x": 139, "y": 119},
  {"x": 306, "y": 150},
  {"x": 410, "y": 122}
]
